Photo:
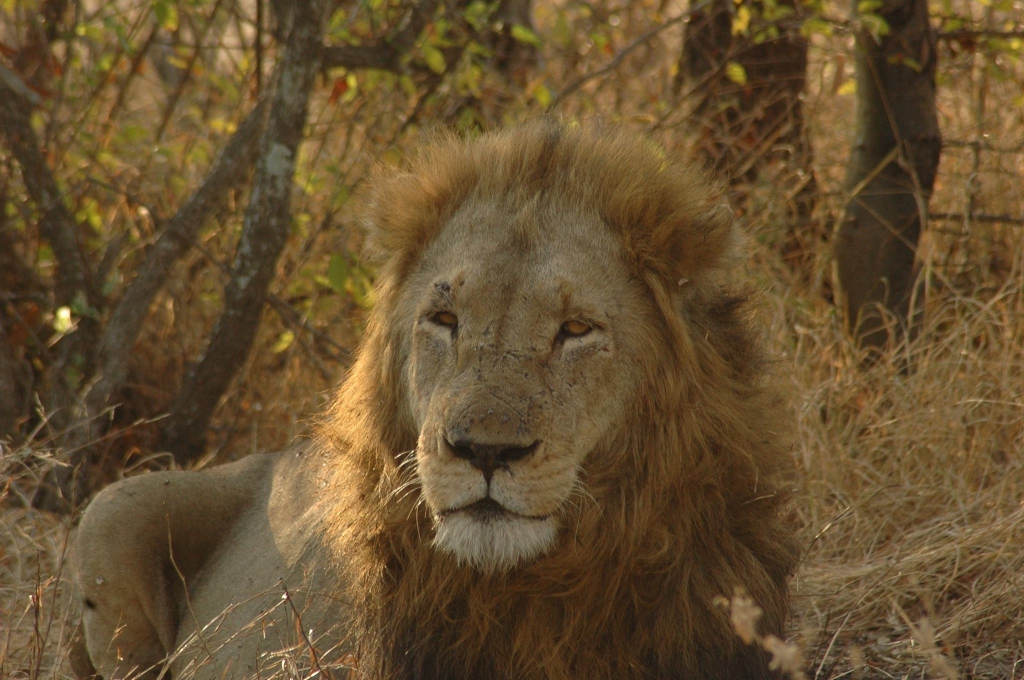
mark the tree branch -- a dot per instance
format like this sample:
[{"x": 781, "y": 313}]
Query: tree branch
[
  {"x": 264, "y": 233},
  {"x": 56, "y": 224},
  {"x": 978, "y": 217},
  {"x": 74, "y": 284},
  {"x": 385, "y": 55},
  {"x": 979, "y": 34},
  {"x": 623, "y": 53},
  {"x": 231, "y": 169},
  {"x": 85, "y": 426}
]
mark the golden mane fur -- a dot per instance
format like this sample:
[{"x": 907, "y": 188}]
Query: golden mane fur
[
  {"x": 556, "y": 448},
  {"x": 681, "y": 503}
]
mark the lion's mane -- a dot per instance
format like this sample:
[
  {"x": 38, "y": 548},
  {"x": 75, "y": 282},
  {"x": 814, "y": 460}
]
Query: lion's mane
[{"x": 684, "y": 503}]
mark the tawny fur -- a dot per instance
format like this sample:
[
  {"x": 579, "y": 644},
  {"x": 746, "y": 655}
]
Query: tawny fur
[
  {"x": 680, "y": 498},
  {"x": 687, "y": 495}
]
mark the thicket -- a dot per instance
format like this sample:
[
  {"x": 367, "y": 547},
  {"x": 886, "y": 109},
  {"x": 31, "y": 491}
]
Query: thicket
[{"x": 146, "y": 190}]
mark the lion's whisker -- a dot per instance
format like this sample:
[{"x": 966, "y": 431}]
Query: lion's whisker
[{"x": 401, "y": 491}]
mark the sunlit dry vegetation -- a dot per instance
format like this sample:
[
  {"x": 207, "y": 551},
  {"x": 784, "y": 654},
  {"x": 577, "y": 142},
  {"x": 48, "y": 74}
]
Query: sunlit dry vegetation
[{"x": 910, "y": 467}]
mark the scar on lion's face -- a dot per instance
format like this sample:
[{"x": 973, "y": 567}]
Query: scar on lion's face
[{"x": 513, "y": 378}]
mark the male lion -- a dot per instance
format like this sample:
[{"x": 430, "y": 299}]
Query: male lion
[{"x": 555, "y": 449}]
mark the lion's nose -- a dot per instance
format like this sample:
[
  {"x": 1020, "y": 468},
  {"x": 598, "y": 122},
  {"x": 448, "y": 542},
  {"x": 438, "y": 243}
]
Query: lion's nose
[{"x": 489, "y": 457}]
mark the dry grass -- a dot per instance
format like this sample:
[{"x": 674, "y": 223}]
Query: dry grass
[
  {"x": 913, "y": 516},
  {"x": 912, "y": 512},
  {"x": 35, "y": 617}
]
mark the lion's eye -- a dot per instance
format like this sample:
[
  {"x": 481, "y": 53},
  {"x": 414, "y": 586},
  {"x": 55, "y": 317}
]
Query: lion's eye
[
  {"x": 446, "y": 319},
  {"x": 574, "y": 329}
]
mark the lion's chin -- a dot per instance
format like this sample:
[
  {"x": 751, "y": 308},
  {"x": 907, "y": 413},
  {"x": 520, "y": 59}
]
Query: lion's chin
[{"x": 494, "y": 542}]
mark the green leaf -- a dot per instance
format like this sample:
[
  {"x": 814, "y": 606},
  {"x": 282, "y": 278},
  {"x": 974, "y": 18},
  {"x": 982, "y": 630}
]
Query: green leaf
[
  {"x": 469, "y": 79},
  {"x": 741, "y": 22},
  {"x": 89, "y": 213},
  {"x": 361, "y": 287},
  {"x": 875, "y": 25},
  {"x": 562, "y": 31},
  {"x": 736, "y": 73},
  {"x": 338, "y": 273},
  {"x": 909, "y": 62},
  {"x": 543, "y": 96},
  {"x": 80, "y": 307},
  {"x": 434, "y": 59},
  {"x": 408, "y": 86},
  {"x": 341, "y": 197},
  {"x": 131, "y": 133},
  {"x": 477, "y": 13},
  {"x": 816, "y": 26},
  {"x": 62, "y": 320},
  {"x": 166, "y": 14},
  {"x": 283, "y": 342},
  {"x": 525, "y": 35}
]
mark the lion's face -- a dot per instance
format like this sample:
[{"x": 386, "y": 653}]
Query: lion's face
[{"x": 518, "y": 369}]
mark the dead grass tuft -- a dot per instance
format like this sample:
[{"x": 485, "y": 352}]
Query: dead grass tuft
[
  {"x": 914, "y": 484},
  {"x": 35, "y": 617}
]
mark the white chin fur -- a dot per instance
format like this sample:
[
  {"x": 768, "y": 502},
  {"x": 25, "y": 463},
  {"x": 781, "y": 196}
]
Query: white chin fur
[{"x": 494, "y": 544}]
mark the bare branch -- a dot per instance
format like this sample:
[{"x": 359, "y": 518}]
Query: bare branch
[
  {"x": 978, "y": 217},
  {"x": 979, "y": 35},
  {"x": 56, "y": 222},
  {"x": 624, "y": 52},
  {"x": 189, "y": 69},
  {"x": 74, "y": 285},
  {"x": 264, "y": 233},
  {"x": 229, "y": 172},
  {"x": 385, "y": 55}
]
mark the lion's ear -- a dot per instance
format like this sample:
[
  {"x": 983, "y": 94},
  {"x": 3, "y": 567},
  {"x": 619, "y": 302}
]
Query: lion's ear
[
  {"x": 404, "y": 209},
  {"x": 375, "y": 249},
  {"x": 704, "y": 248},
  {"x": 388, "y": 223}
]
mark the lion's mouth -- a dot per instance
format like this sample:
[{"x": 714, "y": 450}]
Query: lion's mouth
[
  {"x": 491, "y": 537},
  {"x": 488, "y": 510}
]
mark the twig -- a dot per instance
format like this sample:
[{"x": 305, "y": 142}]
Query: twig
[
  {"x": 614, "y": 63},
  {"x": 178, "y": 234},
  {"x": 184, "y": 586},
  {"x": 978, "y": 217},
  {"x": 264, "y": 232},
  {"x": 291, "y": 317},
  {"x": 56, "y": 224},
  {"x": 133, "y": 70},
  {"x": 385, "y": 54},
  {"x": 172, "y": 103},
  {"x": 302, "y": 631},
  {"x": 258, "y": 43},
  {"x": 982, "y": 144},
  {"x": 975, "y": 34}
]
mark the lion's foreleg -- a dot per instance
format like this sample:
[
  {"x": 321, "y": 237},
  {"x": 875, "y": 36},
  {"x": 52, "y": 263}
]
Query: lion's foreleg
[{"x": 138, "y": 545}]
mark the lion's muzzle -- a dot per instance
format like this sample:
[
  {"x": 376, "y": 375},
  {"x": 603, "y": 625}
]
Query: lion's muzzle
[
  {"x": 490, "y": 457},
  {"x": 484, "y": 474}
]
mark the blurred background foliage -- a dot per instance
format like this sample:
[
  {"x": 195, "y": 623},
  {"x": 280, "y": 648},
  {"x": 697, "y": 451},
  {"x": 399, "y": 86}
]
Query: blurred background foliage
[{"x": 129, "y": 104}]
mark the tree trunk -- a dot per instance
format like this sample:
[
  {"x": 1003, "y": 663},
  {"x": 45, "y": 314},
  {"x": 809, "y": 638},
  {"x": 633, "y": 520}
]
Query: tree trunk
[
  {"x": 81, "y": 422},
  {"x": 264, "y": 232},
  {"x": 892, "y": 167}
]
